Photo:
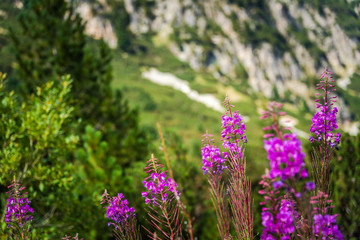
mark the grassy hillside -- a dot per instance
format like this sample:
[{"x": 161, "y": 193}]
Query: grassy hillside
[{"x": 190, "y": 119}]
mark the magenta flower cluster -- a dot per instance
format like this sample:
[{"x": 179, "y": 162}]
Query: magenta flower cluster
[
  {"x": 287, "y": 218},
  {"x": 325, "y": 226},
  {"x": 324, "y": 122},
  {"x": 158, "y": 184},
  {"x": 18, "y": 210},
  {"x": 213, "y": 160},
  {"x": 269, "y": 226},
  {"x": 233, "y": 130},
  {"x": 118, "y": 209},
  {"x": 284, "y": 225},
  {"x": 279, "y": 217},
  {"x": 286, "y": 157},
  {"x": 123, "y": 217}
]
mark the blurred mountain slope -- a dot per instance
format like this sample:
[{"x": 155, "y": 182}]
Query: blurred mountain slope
[{"x": 276, "y": 47}]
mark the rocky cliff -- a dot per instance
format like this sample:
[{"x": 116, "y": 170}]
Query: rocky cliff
[{"x": 273, "y": 46}]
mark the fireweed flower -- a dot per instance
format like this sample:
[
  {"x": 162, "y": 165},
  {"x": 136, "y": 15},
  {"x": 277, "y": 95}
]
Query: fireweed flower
[
  {"x": 285, "y": 195},
  {"x": 233, "y": 128},
  {"x": 287, "y": 218},
  {"x": 123, "y": 217},
  {"x": 280, "y": 217},
  {"x": 213, "y": 159},
  {"x": 158, "y": 186},
  {"x": 118, "y": 209},
  {"x": 286, "y": 157},
  {"x": 239, "y": 188},
  {"x": 163, "y": 202},
  {"x": 284, "y": 151},
  {"x": 324, "y": 121},
  {"x": 325, "y": 139},
  {"x": 233, "y": 138},
  {"x": 18, "y": 211},
  {"x": 271, "y": 207},
  {"x": 324, "y": 225}
]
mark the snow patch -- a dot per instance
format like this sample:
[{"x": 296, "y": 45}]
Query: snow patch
[
  {"x": 168, "y": 79},
  {"x": 351, "y": 127},
  {"x": 343, "y": 82},
  {"x": 290, "y": 122}
]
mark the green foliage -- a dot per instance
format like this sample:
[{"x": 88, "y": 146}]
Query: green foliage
[
  {"x": 121, "y": 20},
  {"x": 37, "y": 145},
  {"x": 33, "y": 135},
  {"x": 44, "y": 54},
  {"x": 50, "y": 42},
  {"x": 345, "y": 186},
  {"x": 7, "y": 20},
  {"x": 96, "y": 171}
]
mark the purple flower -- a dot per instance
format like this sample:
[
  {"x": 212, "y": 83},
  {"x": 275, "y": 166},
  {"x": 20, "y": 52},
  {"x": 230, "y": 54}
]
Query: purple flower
[
  {"x": 287, "y": 218},
  {"x": 123, "y": 217},
  {"x": 158, "y": 185},
  {"x": 324, "y": 121},
  {"x": 283, "y": 225},
  {"x": 233, "y": 130},
  {"x": 278, "y": 184},
  {"x": 286, "y": 157},
  {"x": 213, "y": 162},
  {"x": 326, "y": 227},
  {"x": 18, "y": 208},
  {"x": 118, "y": 209},
  {"x": 310, "y": 186},
  {"x": 267, "y": 220}
]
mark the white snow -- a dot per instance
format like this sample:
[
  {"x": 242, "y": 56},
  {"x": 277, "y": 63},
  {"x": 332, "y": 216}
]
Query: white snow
[
  {"x": 343, "y": 82},
  {"x": 168, "y": 79},
  {"x": 288, "y": 121}
]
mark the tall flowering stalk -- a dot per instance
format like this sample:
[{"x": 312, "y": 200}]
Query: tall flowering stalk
[
  {"x": 18, "y": 212},
  {"x": 285, "y": 213},
  {"x": 326, "y": 139},
  {"x": 213, "y": 167},
  {"x": 285, "y": 153},
  {"x": 239, "y": 190},
  {"x": 238, "y": 187},
  {"x": 123, "y": 217},
  {"x": 161, "y": 198},
  {"x": 323, "y": 127},
  {"x": 180, "y": 203},
  {"x": 271, "y": 208}
]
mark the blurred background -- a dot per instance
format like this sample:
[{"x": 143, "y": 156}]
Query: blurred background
[{"x": 134, "y": 63}]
